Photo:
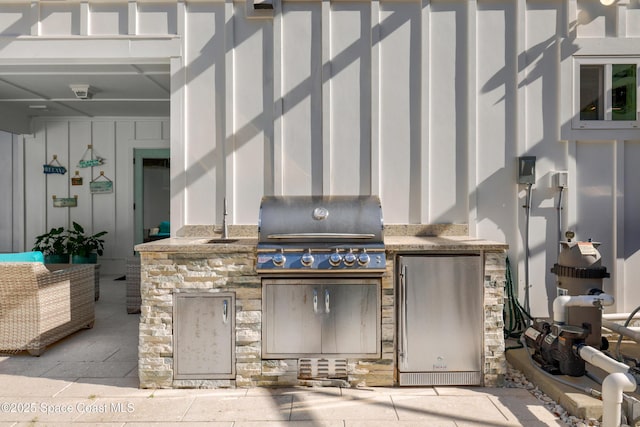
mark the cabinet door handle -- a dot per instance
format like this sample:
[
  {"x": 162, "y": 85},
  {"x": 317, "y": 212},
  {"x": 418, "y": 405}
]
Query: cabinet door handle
[
  {"x": 315, "y": 301},
  {"x": 326, "y": 301},
  {"x": 225, "y": 311}
]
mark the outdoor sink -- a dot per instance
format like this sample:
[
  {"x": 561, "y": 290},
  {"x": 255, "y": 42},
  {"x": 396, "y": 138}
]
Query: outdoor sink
[{"x": 222, "y": 240}]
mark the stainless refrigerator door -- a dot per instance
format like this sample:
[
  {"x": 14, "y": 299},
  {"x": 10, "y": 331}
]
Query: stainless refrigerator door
[{"x": 440, "y": 313}]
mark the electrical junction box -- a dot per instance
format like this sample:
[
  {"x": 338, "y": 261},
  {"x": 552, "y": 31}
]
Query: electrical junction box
[
  {"x": 527, "y": 170},
  {"x": 560, "y": 179}
]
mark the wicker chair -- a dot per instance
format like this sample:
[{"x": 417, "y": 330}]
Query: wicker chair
[
  {"x": 55, "y": 267},
  {"x": 134, "y": 299},
  {"x": 39, "y": 307}
]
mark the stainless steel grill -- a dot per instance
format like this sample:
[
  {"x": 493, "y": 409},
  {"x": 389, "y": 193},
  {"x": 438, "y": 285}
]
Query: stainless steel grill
[{"x": 321, "y": 234}]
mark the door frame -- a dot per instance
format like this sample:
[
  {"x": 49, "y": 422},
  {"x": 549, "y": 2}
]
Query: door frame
[{"x": 139, "y": 154}]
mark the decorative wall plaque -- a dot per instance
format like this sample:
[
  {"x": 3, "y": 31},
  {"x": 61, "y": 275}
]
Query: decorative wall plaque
[
  {"x": 65, "y": 202},
  {"x": 77, "y": 179},
  {"x": 101, "y": 184},
  {"x": 54, "y": 166},
  {"x": 90, "y": 158}
]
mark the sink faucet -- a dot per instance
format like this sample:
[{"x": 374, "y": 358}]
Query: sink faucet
[{"x": 225, "y": 232}]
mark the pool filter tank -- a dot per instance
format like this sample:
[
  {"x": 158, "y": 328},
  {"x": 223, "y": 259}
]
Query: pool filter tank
[
  {"x": 580, "y": 272},
  {"x": 577, "y": 311}
]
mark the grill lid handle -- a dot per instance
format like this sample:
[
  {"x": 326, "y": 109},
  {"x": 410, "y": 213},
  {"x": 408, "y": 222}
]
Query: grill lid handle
[{"x": 337, "y": 236}]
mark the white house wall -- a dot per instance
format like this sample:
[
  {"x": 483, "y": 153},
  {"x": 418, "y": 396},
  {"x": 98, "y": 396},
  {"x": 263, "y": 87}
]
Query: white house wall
[
  {"x": 400, "y": 82},
  {"x": 252, "y": 112},
  {"x": 301, "y": 119},
  {"x": 539, "y": 136},
  {"x": 426, "y": 103},
  {"x": 628, "y": 246}
]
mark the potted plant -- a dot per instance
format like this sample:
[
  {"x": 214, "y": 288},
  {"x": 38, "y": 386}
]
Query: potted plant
[
  {"x": 54, "y": 245},
  {"x": 84, "y": 248}
]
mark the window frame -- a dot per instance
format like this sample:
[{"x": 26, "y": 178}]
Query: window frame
[{"x": 607, "y": 122}]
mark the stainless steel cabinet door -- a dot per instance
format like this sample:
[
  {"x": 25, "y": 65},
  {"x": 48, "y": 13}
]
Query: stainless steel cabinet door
[
  {"x": 351, "y": 321},
  {"x": 321, "y": 318},
  {"x": 292, "y": 319},
  {"x": 204, "y": 336}
]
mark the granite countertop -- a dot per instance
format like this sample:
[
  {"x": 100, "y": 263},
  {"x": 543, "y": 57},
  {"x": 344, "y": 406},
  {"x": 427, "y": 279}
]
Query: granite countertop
[
  {"x": 200, "y": 244},
  {"x": 248, "y": 244},
  {"x": 435, "y": 243}
]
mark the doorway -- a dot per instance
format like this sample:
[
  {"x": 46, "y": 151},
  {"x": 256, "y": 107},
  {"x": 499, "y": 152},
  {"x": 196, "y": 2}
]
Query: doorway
[{"x": 151, "y": 190}]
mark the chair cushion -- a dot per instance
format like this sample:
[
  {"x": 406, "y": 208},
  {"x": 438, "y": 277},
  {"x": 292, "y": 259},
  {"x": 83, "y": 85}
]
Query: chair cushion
[
  {"x": 34, "y": 256},
  {"x": 164, "y": 229}
]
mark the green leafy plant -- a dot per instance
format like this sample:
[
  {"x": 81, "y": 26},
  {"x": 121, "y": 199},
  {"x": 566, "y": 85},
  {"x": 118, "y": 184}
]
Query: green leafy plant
[
  {"x": 55, "y": 242},
  {"x": 82, "y": 244}
]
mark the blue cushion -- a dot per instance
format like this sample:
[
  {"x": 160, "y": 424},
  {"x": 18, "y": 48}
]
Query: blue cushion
[
  {"x": 164, "y": 228},
  {"x": 35, "y": 256}
]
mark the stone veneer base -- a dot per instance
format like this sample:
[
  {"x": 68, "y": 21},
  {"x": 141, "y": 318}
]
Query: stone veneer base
[{"x": 204, "y": 270}]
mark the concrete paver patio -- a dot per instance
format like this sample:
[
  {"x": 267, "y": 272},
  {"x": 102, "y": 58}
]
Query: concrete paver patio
[{"x": 90, "y": 378}]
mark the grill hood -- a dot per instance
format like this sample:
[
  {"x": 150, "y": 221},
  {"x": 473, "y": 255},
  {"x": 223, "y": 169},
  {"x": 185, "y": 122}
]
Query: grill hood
[{"x": 286, "y": 220}]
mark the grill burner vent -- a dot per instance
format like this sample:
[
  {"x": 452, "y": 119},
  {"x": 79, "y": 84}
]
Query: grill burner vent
[{"x": 322, "y": 368}]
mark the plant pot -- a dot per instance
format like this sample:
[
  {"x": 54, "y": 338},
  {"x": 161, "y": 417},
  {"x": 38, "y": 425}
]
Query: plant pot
[
  {"x": 56, "y": 259},
  {"x": 89, "y": 259}
]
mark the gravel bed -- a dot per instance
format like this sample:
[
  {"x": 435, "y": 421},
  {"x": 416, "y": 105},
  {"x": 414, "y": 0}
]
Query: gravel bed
[{"x": 516, "y": 379}]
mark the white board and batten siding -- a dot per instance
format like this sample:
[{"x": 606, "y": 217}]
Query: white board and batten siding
[
  {"x": 333, "y": 98},
  {"x": 11, "y": 184},
  {"x": 115, "y": 141},
  {"x": 425, "y": 103}
]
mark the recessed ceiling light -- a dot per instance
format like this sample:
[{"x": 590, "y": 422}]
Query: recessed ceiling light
[{"x": 38, "y": 107}]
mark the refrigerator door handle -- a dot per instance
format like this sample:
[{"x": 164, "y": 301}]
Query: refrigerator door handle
[{"x": 403, "y": 319}]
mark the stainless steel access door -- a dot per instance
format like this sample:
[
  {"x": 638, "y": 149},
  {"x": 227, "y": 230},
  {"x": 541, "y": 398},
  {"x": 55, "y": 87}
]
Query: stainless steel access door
[
  {"x": 204, "y": 335},
  {"x": 319, "y": 317},
  {"x": 440, "y": 320},
  {"x": 289, "y": 320}
]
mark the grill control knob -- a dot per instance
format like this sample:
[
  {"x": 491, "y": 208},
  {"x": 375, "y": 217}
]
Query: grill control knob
[
  {"x": 279, "y": 259},
  {"x": 349, "y": 259},
  {"x": 307, "y": 259},
  {"x": 335, "y": 259},
  {"x": 363, "y": 258}
]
